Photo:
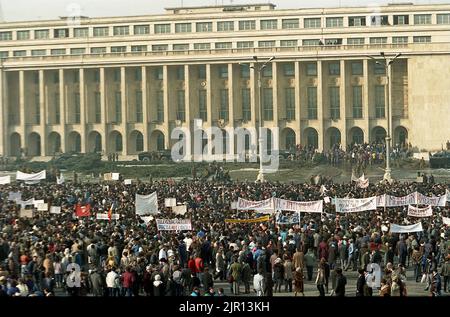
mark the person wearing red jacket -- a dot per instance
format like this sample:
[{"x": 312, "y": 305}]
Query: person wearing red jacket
[
  {"x": 192, "y": 266},
  {"x": 199, "y": 266},
  {"x": 128, "y": 282}
]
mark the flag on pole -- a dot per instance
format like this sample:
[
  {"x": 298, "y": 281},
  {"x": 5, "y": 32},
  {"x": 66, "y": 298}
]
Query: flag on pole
[
  {"x": 83, "y": 211},
  {"x": 110, "y": 211}
]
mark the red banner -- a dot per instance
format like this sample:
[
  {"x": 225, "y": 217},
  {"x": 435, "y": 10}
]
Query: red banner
[{"x": 83, "y": 211}]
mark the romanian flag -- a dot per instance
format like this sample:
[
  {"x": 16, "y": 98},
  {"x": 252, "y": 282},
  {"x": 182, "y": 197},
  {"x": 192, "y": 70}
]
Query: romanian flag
[
  {"x": 110, "y": 211},
  {"x": 83, "y": 211}
]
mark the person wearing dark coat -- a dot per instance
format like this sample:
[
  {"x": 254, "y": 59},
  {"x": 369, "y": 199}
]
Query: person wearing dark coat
[
  {"x": 360, "y": 283},
  {"x": 97, "y": 283},
  {"x": 207, "y": 279},
  {"x": 158, "y": 286},
  {"x": 341, "y": 281}
]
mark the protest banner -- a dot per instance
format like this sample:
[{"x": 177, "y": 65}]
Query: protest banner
[
  {"x": 128, "y": 181},
  {"x": 446, "y": 221},
  {"x": 261, "y": 206},
  {"x": 115, "y": 176},
  {"x": 298, "y": 206},
  {"x": 42, "y": 207},
  {"x": 4, "y": 180},
  {"x": 260, "y": 219},
  {"x": 173, "y": 224},
  {"x": 146, "y": 204},
  {"x": 179, "y": 210},
  {"x": 287, "y": 219},
  {"x": 55, "y": 209},
  {"x": 406, "y": 229},
  {"x": 26, "y": 213},
  {"x": 37, "y": 202},
  {"x": 23, "y": 203},
  {"x": 31, "y": 177},
  {"x": 105, "y": 217},
  {"x": 438, "y": 201},
  {"x": 419, "y": 212},
  {"x": 170, "y": 202},
  {"x": 60, "y": 180},
  {"x": 355, "y": 205},
  {"x": 107, "y": 177}
]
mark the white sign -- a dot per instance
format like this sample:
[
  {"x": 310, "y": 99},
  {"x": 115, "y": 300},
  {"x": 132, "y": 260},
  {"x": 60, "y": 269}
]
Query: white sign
[
  {"x": 146, "y": 204},
  {"x": 105, "y": 217},
  {"x": 5, "y": 180},
  {"x": 26, "y": 213},
  {"x": 23, "y": 203},
  {"x": 420, "y": 212},
  {"x": 298, "y": 206},
  {"x": 406, "y": 229},
  {"x": 37, "y": 202},
  {"x": 31, "y": 177},
  {"x": 60, "y": 180},
  {"x": 115, "y": 176},
  {"x": 262, "y": 206},
  {"x": 287, "y": 219},
  {"x": 355, "y": 205},
  {"x": 446, "y": 221},
  {"x": 128, "y": 181},
  {"x": 173, "y": 224},
  {"x": 170, "y": 202},
  {"x": 147, "y": 219},
  {"x": 233, "y": 205},
  {"x": 42, "y": 207},
  {"x": 55, "y": 209},
  {"x": 179, "y": 210}
]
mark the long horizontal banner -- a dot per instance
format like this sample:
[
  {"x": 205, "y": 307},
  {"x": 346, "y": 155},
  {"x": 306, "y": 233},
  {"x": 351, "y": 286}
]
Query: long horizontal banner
[
  {"x": 272, "y": 204},
  {"x": 263, "y": 205},
  {"x": 30, "y": 177},
  {"x": 420, "y": 212},
  {"x": 105, "y": 217},
  {"x": 5, "y": 180},
  {"x": 355, "y": 205},
  {"x": 260, "y": 219},
  {"x": 406, "y": 229},
  {"x": 173, "y": 224}
]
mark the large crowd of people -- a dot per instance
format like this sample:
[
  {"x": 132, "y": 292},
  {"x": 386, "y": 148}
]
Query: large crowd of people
[{"x": 61, "y": 254}]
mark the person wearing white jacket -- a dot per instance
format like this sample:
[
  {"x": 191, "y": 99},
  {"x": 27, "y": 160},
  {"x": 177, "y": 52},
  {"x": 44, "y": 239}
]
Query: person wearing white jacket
[
  {"x": 113, "y": 283},
  {"x": 258, "y": 283}
]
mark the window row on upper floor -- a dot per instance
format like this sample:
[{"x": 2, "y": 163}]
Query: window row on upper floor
[{"x": 224, "y": 26}]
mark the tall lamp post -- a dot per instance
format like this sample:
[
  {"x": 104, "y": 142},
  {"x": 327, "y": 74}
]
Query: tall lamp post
[
  {"x": 387, "y": 66},
  {"x": 258, "y": 67}
]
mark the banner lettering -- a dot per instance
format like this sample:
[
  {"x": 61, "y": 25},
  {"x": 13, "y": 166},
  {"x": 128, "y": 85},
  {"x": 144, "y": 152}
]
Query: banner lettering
[
  {"x": 355, "y": 205},
  {"x": 173, "y": 224},
  {"x": 260, "y": 219},
  {"x": 420, "y": 212},
  {"x": 406, "y": 229}
]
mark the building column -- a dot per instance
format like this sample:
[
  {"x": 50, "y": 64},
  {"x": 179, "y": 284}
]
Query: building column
[
  {"x": 209, "y": 105},
  {"x": 103, "y": 131},
  {"x": 43, "y": 121},
  {"x": 187, "y": 109},
  {"x": 124, "y": 102},
  {"x": 62, "y": 111},
  {"x": 275, "y": 92},
  {"x": 320, "y": 112},
  {"x": 298, "y": 116},
  {"x": 144, "y": 108},
  {"x": 83, "y": 110},
  {"x": 343, "y": 106},
  {"x": 231, "y": 101},
  {"x": 22, "y": 119},
  {"x": 166, "y": 107},
  {"x": 365, "y": 101},
  {"x": 3, "y": 115},
  {"x": 254, "y": 104}
]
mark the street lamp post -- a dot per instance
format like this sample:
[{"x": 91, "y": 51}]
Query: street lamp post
[
  {"x": 259, "y": 69},
  {"x": 387, "y": 66}
]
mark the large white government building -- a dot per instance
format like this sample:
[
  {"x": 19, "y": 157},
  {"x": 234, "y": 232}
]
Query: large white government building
[{"x": 121, "y": 84}]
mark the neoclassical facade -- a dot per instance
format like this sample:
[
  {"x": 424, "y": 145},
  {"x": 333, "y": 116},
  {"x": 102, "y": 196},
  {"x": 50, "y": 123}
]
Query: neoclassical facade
[{"x": 121, "y": 84}]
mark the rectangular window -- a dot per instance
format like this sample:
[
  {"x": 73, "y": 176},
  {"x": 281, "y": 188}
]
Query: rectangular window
[
  {"x": 139, "y": 113},
  {"x": 139, "y": 48},
  {"x": 443, "y": 18},
  {"x": 202, "y": 72},
  {"x": 160, "y": 47},
  {"x": 6, "y": 36},
  {"x": 36, "y": 78},
  {"x": 267, "y": 71},
  {"x": 180, "y": 47},
  {"x": 180, "y": 73},
  {"x": 76, "y": 100},
  {"x": 334, "y": 68},
  {"x": 141, "y": 29},
  {"x": 98, "y": 50},
  {"x": 19, "y": 53},
  {"x": 247, "y": 25},
  {"x": 138, "y": 74},
  {"x": 266, "y": 44},
  {"x": 310, "y": 42},
  {"x": 288, "y": 43},
  {"x": 80, "y": 32},
  {"x": 117, "y": 75},
  {"x": 268, "y": 104},
  {"x": 202, "y": 46},
  {"x": 312, "y": 102},
  {"x": 335, "y": 22},
  {"x": 61, "y": 33},
  {"x": 246, "y": 108},
  {"x": 379, "y": 20},
  {"x": 422, "y": 18},
  {"x": 160, "y": 105},
  {"x": 203, "y": 112},
  {"x": 98, "y": 107},
  {"x": 269, "y": 24},
  {"x": 38, "y": 52},
  {"x": 121, "y": 30},
  {"x": 290, "y": 23},
  {"x": 399, "y": 40},
  {"x": 245, "y": 70},
  {"x": 203, "y": 27},
  {"x": 225, "y": 26},
  {"x": 401, "y": 19},
  {"x": 379, "y": 69},
  {"x": 162, "y": 28},
  {"x": 421, "y": 39},
  {"x": 23, "y": 35},
  {"x": 76, "y": 77},
  {"x": 118, "y": 49},
  {"x": 289, "y": 69},
  {"x": 333, "y": 41},
  {"x": 379, "y": 101},
  {"x": 97, "y": 76},
  {"x": 356, "y": 41},
  {"x": 223, "y": 111},
  {"x": 57, "y": 109},
  {"x": 245, "y": 44},
  {"x": 101, "y": 31},
  {"x": 334, "y": 103},
  {"x": 56, "y": 78},
  {"x": 41, "y": 34},
  {"x": 37, "y": 108},
  {"x": 312, "y": 23},
  {"x": 223, "y": 45},
  {"x": 58, "y": 51},
  {"x": 357, "y": 21},
  {"x": 357, "y": 68},
  {"x": 183, "y": 27},
  {"x": 290, "y": 103},
  {"x": 181, "y": 108},
  {"x": 118, "y": 107},
  {"x": 311, "y": 69},
  {"x": 223, "y": 71},
  {"x": 4, "y": 54},
  {"x": 77, "y": 51},
  {"x": 357, "y": 102},
  {"x": 378, "y": 40}
]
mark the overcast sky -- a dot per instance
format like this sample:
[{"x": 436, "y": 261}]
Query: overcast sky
[{"x": 17, "y": 10}]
